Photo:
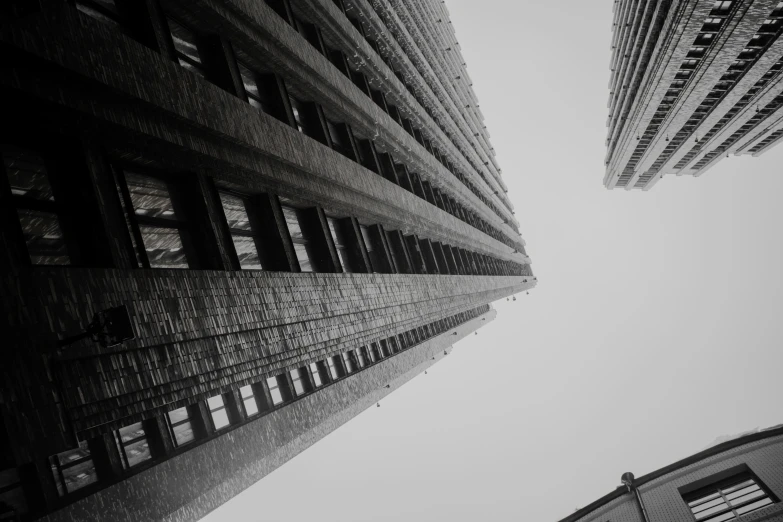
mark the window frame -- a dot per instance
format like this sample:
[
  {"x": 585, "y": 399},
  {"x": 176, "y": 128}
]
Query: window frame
[
  {"x": 722, "y": 484},
  {"x": 123, "y": 445},
  {"x": 171, "y": 425},
  {"x": 222, "y": 407},
  {"x": 255, "y": 232},
  {"x": 59, "y": 467},
  {"x": 136, "y": 221}
]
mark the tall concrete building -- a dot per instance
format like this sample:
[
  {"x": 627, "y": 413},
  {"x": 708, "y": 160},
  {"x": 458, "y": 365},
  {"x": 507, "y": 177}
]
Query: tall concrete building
[
  {"x": 262, "y": 216},
  {"x": 692, "y": 82}
]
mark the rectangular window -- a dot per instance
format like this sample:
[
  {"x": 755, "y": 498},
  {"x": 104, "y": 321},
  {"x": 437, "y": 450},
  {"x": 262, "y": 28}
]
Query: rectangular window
[
  {"x": 249, "y": 400},
  {"x": 333, "y": 368},
  {"x": 252, "y": 89},
  {"x": 361, "y": 357},
  {"x": 186, "y": 48},
  {"x": 302, "y": 246},
  {"x": 132, "y": 445},
  {"x": 298, "y": 110},
  {"x": 375, "y": 350},
  {"x": 217, "y": 409},
  {"x": 73, "y": 469},
  {"x": 296, "y": 378},
  {"x": 375, "y": 260},
  {"x": 180, "y": 426},
  {"x": 315, "y": 372},
  {"x": 274, "y": 390},
  {"x": 340, "y": 244},
  {"x": 728, "y": 499},
  {"x": 158, "y": 226},
  {"x": 38, "y": 213},
  {"x": 348, "y": 362},
  {"x": 247, "y": 241},
  {"x": 340, "y": 139}
]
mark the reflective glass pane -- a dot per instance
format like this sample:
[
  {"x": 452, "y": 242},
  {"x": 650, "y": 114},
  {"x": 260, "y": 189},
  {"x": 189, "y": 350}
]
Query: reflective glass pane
[
  {"x": 184, "y": 41},
  {"x": 215, "y": 402},
  {"x": 298, "y": 388},
  {"x": 723, "y": 518},
  {"x": 26, "y": 173},
  {"x": 740, "y": 492},
  {"x": 247, "y": 252},
  {"x": 103, "y": 10},
  {"x": 134, "y": 431},
  {"x": 735, "y": 487},
  {"x": 44, "y": 238},
  {"x": 304, "y": 259},
  {"x": 709, "y": 504},
  {"x": 711, "y": 511},
  {"x": 277, "y": 397},
  {"x": 75, "y": 454},
  {"x": 137, "y": 452},
  {"x": 249, "y": 81},
  {"x": 164, "y": 247},
  {"x": 332, "y": 369},
  {"x": 292, "y": 222},
  {"x": 79, "y": 475},
  {"x": 274, "y": 390},
  {"x": 220, "y": 418},
  {"x": 348, "y": 362},
  {"x": 251, "y": 408},
  {"x": 246, "y": 391},
  {"x": 183, "y": 433},
  {"x": 235, "y": 211},
  {"x": 316, "y": 375},
  {"x": 178, "y": 415},
  {"x": 750, "y": 495},
  {"x": 754, "y": 506},
  {"x": 150, "y": 196},
  {"x": 255, "y": 103}
]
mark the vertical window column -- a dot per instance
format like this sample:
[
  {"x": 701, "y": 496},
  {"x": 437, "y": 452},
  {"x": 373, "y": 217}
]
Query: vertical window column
[
  {"x": 399, "y": 251},
  {"x": 418, "y": 264}
]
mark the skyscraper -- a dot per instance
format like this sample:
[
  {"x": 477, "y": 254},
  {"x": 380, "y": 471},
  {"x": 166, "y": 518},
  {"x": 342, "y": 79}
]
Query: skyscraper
[
  {"x": 261, "y": 218},
  {"x": 692, "y": 82}
]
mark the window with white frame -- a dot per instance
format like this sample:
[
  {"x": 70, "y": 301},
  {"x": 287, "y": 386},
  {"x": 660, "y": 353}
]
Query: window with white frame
[
  {"x": 180, "y": 426},
  {"x": 132, "y": 445},
  {"x": 728, "y": 499},
  {"x": 217, "y": 409},
  {"x": 274, "y": 390},
  {"x": 249, "y": 400}
]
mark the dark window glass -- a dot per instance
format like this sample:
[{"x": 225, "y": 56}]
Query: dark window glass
[
  {"x": 250, "y": 81},
  {"x": 180, "y": 426},
  {"x": 35, "y": 206},
  {"x": 302, "y": 246},
  {"x": 162, "y": 231},
  {"x": 348, "y": 362},
  {"x": 298, "y": 110},
  {"x": 333, "y": 371},
  {"x": 186, "y": 47},
  {"x": 104, "y": 10},
  {"x": 246, "y": 241},
  {"x": 340, "y": 244},
  {"x": 375, "y": 259},
  {"x": 73, "y": 469},
  {"x": 217, "y": 409},
  {"x": 132, "y": 444}
]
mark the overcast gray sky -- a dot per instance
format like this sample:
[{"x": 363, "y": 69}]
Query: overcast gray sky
[{"x": 655, "y": 328}]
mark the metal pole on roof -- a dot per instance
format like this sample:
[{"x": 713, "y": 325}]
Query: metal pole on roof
[{"x": 627, "y": 479}]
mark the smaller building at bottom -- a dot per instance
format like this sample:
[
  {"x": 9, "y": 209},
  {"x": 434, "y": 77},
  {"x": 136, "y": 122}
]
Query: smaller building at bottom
[{"x": 740, "y": 479}]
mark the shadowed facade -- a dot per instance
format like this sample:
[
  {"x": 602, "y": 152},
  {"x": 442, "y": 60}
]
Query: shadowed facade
[{"x": 296, "y": 202}]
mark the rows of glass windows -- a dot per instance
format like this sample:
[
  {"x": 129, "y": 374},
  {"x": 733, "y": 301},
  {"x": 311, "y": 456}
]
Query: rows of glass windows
[
  {"x": 165, "y": 220},
  {"x": 134, "y": 444},
  {"x": 268, "y": 92}
]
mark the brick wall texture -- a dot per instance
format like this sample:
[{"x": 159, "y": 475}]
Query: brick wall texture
[{"x": 250, "y": 452}]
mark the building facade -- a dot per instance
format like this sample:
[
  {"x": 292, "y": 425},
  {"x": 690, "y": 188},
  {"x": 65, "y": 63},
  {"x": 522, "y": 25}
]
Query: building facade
[
  {"x": 741, "y": 479},
  {"x": 297, "y": 204},
  {"x": 692, "y": 82}
]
